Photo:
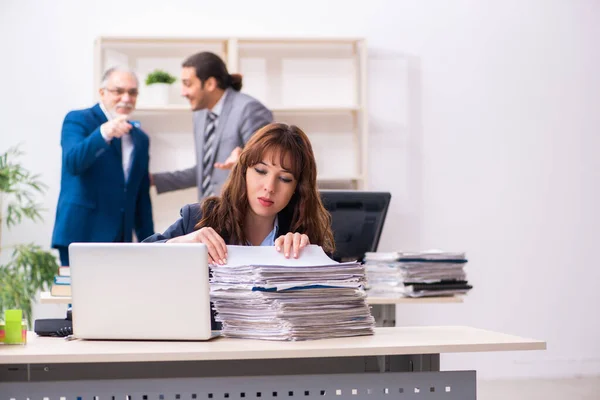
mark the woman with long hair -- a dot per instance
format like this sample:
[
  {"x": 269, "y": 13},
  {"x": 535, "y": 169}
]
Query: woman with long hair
[{"x": 270, "y": 199}]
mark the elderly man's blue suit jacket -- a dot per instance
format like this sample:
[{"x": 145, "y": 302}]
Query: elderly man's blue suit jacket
[{"x": 95, "y": 201}]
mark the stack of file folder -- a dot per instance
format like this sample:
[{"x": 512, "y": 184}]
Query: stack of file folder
[
  {"x": 259, "y": 294},
  {"x": 420, "y": 274}
]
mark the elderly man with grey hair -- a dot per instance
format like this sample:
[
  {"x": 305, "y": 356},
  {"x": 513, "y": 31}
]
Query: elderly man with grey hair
[{"x": 104, "y": 188}]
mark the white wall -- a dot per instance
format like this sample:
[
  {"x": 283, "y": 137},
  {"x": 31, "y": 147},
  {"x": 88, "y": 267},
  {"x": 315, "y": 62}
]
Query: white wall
[{"x": 484, "y": 121}]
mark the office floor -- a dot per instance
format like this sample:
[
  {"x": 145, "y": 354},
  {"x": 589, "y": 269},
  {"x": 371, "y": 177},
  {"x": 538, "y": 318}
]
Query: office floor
[{"x": 587, "y": 388}]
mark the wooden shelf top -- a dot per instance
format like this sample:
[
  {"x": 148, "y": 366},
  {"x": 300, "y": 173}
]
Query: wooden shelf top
[
  {"x": 240, "y": 40},
  {"x": 170, "y": 108}
]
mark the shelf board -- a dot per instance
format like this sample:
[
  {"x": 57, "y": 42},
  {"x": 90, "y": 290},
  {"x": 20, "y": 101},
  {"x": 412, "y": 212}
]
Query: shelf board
[
  {"x": 163, "y": 109},
  {"x": 47, "y": 298},
  {"x": 240, "y": 40},
  {"x": 297, "y": 40},
  {"x": 315, "y": 110},
  {"x": 147, "y": 109},
  {"x": 137, "y": 40},
  {"x": 341, "y": 178},
  {"x": 168, "y": 48}
]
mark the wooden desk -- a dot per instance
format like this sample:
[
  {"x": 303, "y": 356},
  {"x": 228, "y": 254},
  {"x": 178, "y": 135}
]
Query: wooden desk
[{"x": 394, "y": 360}]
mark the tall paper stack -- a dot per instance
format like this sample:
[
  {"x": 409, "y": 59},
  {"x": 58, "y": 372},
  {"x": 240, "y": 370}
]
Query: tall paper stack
[
  {"x": 260, "y": 294},
  {"x": 420, "y": 274}
]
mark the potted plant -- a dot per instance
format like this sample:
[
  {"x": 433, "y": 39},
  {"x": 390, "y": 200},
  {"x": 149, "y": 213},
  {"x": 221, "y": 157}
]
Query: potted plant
[
  {"x": 158, "y": 83},
  {"x": 25, "y": 269}
]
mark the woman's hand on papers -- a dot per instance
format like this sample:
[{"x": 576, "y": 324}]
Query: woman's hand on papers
[
  {"x": 291, "y": 241},
  {"x": 217, "y": 249}
]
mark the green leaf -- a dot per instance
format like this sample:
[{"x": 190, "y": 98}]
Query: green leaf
[
  {"x": 30, "y": 268},
  {"x": 15, "y": 292}
]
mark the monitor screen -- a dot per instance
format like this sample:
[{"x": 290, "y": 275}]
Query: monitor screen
[{"x": 357, "y": 219}]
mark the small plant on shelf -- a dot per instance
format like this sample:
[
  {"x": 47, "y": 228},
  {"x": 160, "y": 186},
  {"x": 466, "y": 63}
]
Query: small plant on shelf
[{"x": 159, "y": 76}]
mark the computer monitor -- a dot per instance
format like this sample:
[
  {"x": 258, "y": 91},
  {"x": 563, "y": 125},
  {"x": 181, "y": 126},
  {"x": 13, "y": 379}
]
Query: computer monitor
[{"x": 357, "y": 219}]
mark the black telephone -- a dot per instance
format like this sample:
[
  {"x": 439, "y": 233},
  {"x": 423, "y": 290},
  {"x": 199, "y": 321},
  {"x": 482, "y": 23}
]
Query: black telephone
[{"x": 54, "y": 327}]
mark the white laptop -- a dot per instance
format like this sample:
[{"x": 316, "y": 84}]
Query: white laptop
[{"x": 140, "y": 291}]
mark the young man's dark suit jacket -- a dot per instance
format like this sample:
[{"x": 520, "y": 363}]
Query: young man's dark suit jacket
[{"x": 95, "y": 202}]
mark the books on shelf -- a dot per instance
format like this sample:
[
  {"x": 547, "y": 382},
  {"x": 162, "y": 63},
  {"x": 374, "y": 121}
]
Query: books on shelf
[
  {"x": 259, "y": 294},
  {"x": 416, "y": 274},
  {"x": 60, "y": 290},
  {"x": 62, "y": 280},
  {"x": 62, "y": 283}
]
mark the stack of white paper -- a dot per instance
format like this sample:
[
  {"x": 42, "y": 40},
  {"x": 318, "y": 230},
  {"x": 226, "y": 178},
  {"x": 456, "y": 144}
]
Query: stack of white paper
[
  {"x": 416, "y": 274},
  {"x": 260, "y": 294}
]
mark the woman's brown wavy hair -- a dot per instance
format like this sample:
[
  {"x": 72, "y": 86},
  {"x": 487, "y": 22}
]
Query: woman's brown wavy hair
[{"x": 226, "y": 214}]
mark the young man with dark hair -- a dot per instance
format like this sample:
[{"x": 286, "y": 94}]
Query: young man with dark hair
[{"x": 224, "y": 120}]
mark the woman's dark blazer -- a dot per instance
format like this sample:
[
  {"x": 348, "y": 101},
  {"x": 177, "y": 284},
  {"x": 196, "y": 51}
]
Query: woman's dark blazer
[{"x": 191, "y": 214}]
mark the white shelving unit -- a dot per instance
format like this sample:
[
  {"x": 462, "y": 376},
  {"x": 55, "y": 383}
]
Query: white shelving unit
[{"x": 318, "y": 84}]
